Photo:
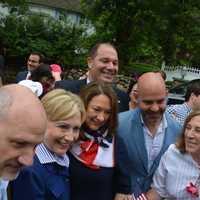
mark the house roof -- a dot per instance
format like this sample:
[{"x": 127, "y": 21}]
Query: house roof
[{"x": 70, "y": 5}]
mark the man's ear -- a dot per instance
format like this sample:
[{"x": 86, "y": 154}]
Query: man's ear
[
  {"x": 192, "y": 96},
  {"x": 89, "y": 62},
  {"x": 167, "y": 91}
]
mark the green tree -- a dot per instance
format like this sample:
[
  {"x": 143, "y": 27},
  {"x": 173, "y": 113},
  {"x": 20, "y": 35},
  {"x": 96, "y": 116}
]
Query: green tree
[
  {"x": 57, "y": 39},
  {"x": 146, "y": 31}
]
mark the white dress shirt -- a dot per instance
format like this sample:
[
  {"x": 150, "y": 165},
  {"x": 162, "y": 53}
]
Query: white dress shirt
[{"x": 3, "y": 189}]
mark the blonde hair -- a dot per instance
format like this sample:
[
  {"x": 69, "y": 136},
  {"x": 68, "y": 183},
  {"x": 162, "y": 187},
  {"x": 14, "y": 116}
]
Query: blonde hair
[{"x": 61, "y": 105}]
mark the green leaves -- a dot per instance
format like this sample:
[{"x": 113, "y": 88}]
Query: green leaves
[
  {"x": 148, "y": 31},
  {"x": 57, "y": 39}
]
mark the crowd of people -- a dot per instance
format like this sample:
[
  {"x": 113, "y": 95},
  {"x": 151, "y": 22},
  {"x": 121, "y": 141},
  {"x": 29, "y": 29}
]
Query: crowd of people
[{"x": 87, "y": 139}]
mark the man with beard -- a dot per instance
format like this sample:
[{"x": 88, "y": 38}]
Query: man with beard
[
  {"x": 103, "y": 67},
  {"x": 144, "y": 134},
  {"x": 22, "y": 126}
]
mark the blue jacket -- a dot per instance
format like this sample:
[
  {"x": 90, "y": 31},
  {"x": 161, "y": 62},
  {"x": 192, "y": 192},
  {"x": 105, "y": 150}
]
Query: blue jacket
[
  {"x": 131, "y": 154},
  {"x": 42, "y": 182},
  {"x": 21, "y": 76}
]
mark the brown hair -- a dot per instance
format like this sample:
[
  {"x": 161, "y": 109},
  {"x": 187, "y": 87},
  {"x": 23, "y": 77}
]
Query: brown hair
[
  {"x": 94, "y": 89},
  {"x": 180, "y": 143},
  {"x": 94, "y": 49},
  {"x": 40, "y": 55}
]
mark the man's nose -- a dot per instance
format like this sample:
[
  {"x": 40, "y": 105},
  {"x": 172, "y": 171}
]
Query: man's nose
[
  {"x": 111, "y": 65},
  {"x": 155, "y": 107}
]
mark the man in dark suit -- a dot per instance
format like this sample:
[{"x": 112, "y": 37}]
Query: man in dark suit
[
  {"x": 103, "y": 66},
  {"x": 33, "y": 62},
  {"x": 144, "y": 134}
]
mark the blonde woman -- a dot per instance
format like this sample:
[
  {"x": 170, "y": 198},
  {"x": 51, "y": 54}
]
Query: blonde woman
[{"x": 48, "y": 178}]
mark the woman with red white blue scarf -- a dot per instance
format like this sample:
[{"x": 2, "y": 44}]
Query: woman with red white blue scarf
[{"x": 92, "y": 163}]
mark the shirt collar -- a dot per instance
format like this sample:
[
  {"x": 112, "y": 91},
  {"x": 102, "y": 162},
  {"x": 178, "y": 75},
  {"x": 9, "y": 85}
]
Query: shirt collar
[
  {"x": 45, "y": 156},
  {"x": 163, "y": 122},
  {"x": 189, "y": 109},
  {"x": 88, "y": 80}
]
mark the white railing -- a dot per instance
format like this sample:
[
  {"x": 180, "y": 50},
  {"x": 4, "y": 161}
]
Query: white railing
[{"x": 181, "y": 72}]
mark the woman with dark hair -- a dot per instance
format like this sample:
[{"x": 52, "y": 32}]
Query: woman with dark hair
[
  {"x": 92, "y": 157},
  {"x": 178, "y": 175}
]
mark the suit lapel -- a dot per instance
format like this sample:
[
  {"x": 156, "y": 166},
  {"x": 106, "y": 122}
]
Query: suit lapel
[
  {"x": 81, "y": 83},
  {"x": 9, "y": 192},
  {"x": 139, "y": 141},
  {"x": 167, "y": 141}
]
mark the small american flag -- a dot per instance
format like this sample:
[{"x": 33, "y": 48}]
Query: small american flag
[{"x": 140, "y": 197}]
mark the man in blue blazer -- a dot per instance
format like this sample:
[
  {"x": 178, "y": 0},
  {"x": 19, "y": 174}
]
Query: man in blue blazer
[
  {"x": 144, "y": 134},
  {"x": 33, "y": 62},
  {"x": 103, "y": 66}
]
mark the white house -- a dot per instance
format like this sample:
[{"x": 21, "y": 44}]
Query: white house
[{"x": 55, "y": 8}]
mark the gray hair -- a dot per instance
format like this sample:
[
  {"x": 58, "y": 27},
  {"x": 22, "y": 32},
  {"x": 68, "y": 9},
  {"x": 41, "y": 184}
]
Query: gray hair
[{"x": 6, "y": 101}]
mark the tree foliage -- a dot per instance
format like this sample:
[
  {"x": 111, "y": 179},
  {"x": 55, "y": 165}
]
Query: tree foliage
[
  {"x": 147, "y": 31},
  {"x": 57, "y": 39},
  {"x": 19, "y": 6}
]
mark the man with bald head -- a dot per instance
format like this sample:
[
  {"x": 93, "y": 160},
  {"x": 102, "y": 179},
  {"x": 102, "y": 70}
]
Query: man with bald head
[
  {"x": 22, "y": 126},
  {"x": 144, "y": 134}
]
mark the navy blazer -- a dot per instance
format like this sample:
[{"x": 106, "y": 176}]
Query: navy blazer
[
  {"x": 76, "y": 85},
  {"x": 42, "y": 182},
  {"x": 131, "y": 154},
  {"x": 21, "y": 76}
]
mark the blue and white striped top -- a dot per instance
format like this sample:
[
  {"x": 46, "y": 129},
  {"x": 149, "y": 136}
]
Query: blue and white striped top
[{"x": 46, "y": 156}]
